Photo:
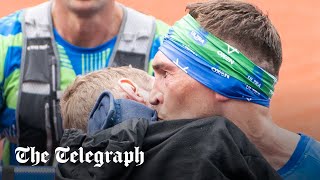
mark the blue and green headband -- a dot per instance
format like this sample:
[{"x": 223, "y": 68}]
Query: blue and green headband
[{"x": 216, "y": 64}]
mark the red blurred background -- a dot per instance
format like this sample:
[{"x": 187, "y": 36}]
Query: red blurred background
[{"x": 296, "y": 102}]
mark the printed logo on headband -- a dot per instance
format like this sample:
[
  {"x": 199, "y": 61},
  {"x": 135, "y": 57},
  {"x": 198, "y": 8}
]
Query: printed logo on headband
[
  {"x": 220, "y": 72},
  {"x": 258, "y": 73},
  {"x": 253, "y": 90},
  {"x": 232, "y": 49},
  {"x": 198, "y": 38},
  {"x": 255, "y": 81},
  {"x": 225, "y": 57}
]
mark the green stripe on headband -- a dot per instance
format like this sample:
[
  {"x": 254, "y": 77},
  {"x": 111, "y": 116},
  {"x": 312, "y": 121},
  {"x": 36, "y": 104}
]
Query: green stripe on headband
[{"x": 189, "y": 33}]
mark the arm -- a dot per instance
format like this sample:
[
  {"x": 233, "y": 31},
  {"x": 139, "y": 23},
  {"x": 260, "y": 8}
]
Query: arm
[{"x": 10, "y": 57}]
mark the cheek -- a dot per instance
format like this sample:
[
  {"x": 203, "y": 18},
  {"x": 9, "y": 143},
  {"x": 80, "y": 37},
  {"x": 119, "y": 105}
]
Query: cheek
[{"x": 178, "y": 92}]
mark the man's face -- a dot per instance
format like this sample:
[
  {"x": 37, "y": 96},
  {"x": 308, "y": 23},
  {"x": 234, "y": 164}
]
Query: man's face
[
  {"x": 175, "y": 95},
  {"x": 85, "y": 7}
]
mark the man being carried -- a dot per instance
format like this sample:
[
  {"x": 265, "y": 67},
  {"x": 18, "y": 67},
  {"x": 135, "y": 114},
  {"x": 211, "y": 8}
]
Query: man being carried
[{"x": 110, "y": 89}]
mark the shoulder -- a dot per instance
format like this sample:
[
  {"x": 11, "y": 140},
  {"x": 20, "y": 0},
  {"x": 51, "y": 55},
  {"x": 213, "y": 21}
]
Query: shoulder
[
  {"x": 11, "y": 24},
  {"x": 10, "y": 32},
  {"x": 10, "y": 42},
  {"x": 161, "y": 27},
  {"x": 314, "y": 149}
]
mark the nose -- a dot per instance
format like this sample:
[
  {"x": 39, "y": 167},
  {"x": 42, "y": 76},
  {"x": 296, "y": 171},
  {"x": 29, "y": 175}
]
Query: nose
[{"x": 155, "y": 97}]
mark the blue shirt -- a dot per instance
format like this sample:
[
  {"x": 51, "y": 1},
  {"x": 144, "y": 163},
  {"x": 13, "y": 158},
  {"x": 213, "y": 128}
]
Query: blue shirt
[{"x": 304, "y": 162}]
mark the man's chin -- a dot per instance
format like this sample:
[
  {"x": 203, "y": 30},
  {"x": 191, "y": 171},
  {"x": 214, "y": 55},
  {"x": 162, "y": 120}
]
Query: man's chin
[
  {"x": 159, "y": 119},
  {"x": 85, "y": 8}
]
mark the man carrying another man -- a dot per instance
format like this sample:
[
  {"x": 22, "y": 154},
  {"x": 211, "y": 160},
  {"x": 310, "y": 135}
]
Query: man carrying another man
[
  {"x": 112, "y": 125},
  {"x": 223, "y": 59}
]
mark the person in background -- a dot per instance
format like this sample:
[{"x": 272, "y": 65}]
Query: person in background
[{"x": 75, "y": 37}]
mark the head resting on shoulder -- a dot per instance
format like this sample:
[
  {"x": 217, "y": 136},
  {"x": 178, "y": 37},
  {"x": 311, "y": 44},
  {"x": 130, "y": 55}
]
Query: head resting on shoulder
[{"x": 80, "y": 97}]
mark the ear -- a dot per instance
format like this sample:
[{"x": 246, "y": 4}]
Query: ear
[
  {"x": 131, "y": 90},
  {"x": 221, "y": 98}
]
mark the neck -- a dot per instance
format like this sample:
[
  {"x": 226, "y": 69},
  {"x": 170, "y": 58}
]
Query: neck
[
  {"x": 87, "y": 29},
  {"x": 275, "y": 144}
]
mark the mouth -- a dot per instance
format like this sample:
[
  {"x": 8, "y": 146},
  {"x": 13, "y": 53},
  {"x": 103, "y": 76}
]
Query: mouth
[
  {"x": 157, "y": 110},
  {"x": 160, "y": 117}
]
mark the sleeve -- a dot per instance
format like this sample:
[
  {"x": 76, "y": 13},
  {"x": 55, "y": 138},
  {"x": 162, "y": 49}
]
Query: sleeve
[
  {"x": 10, "y": 46},
  {"x": 2, "y": 62}
]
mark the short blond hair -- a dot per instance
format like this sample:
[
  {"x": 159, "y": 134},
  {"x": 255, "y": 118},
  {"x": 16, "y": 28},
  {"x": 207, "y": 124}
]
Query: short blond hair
[{"x": 80, "y": 96}]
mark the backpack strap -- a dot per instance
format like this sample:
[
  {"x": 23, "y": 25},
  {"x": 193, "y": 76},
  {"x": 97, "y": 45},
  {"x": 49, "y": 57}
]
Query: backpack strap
[
  {"x": 37, "y": 115},
  {"x": 134, "y": 40}
]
